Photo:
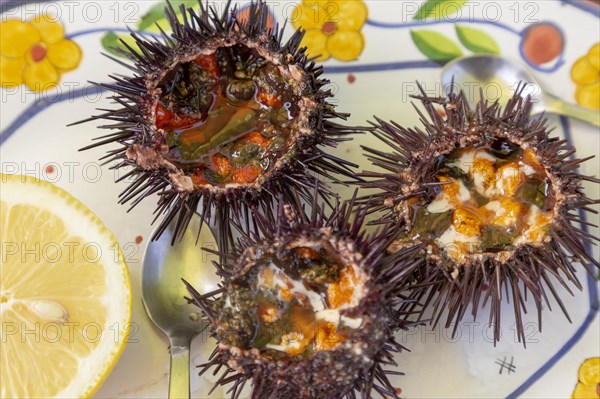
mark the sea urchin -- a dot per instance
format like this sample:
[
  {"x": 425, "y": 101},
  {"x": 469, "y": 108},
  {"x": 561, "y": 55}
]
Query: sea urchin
[
  {"x": 308, "y": 308},
  {"x": 491, "y": 201},
  {"x": 219, "y": 115}
]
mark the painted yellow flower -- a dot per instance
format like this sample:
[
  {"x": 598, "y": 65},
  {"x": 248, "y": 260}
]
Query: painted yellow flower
[
  {"x": 586, "y": 75},
  {"x": 588, "y": 386},
  {"x": 35, "y": 52},
  {"x": 332, "y": 27}
]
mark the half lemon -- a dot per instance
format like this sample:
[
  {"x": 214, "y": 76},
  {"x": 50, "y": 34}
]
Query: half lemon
[{"x": 65, "y": 296}]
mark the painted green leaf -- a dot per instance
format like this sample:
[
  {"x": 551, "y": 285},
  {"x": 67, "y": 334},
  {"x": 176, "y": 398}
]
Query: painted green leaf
[
  {"x": 435, "y": 46},
  {"x": 156, "y": 15},
  {"x": 439, "y": 9},
  {"x": 477, "y": 40},
  {"x": 111, "y": 42}
]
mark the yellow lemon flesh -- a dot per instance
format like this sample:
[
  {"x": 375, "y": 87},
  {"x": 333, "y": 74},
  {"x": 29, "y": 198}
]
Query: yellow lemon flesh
[{"x": 65, "y": 297}]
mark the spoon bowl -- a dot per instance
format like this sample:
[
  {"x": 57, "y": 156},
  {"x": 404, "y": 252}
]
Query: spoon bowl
[
  {"x": 163, "y": 293},
  {"x": 498, "y": 78}
]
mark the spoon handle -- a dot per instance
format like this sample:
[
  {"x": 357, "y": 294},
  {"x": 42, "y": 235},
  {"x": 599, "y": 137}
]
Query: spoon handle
[
  {"x": 558, "y": 106},
  {"x": 179, "y": 380}
]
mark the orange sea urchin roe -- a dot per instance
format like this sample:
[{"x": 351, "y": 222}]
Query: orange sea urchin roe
[
  {"x": 508, "y": 213},
  {"x": 498, "y": 197},
  {"x": 225, "y": 120},
  {"x": 304, "y": 309},
  {"x": 484, "y": 172},
  {"x": 341, "y": 293},
  {"x": 467, "y": 221},
  {"x": 328, "y": 337},
  {"x": 221, "y": 164},
  {"x": 246, "y": 174},
  {"x": 451, "y": 188},
  {"x": 510, "y": 178}
]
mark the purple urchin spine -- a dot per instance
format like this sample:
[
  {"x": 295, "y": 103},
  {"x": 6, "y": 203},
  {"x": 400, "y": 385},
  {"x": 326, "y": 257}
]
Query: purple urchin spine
[
  {"x": 388, "y": 281},
  {"x": 531, "y": 269},
  {"x": 135, "y": 134}
]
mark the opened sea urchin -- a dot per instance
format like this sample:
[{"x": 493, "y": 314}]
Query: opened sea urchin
[
  {"x": 307, "y": 309},
  {"x": 221, "y": 114},
  {"x": 491, "y": 200}
]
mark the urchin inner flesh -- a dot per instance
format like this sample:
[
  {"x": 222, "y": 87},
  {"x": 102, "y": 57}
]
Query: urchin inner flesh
[
  {"x": 221, "y": 115},
  {"x": 308, "y": 308},
  {"x": 491, "y": 201},
  {"x": 292, "y": 304},
  {"x": 227, "y": 115},
  {"x": 296, "y": 318}
]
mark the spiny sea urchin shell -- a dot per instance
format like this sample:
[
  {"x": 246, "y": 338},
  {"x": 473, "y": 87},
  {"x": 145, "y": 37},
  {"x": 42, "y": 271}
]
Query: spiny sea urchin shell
[
  {"x": 308, "y": 308},
  {"x": 490, "y": 199},
  {"x": 221, "y": 114}
]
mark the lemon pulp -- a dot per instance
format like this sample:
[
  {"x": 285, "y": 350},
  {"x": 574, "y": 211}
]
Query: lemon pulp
[{"x": 65, "y": 297}]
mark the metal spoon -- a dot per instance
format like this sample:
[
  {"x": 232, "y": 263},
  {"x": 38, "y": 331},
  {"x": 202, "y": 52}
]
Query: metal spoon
[
  {"x": 499, "y": 77},
  {"x": 163, "y": 293}
]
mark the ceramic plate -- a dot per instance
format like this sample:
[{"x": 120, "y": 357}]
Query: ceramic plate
[{"x": 373, "y": 66}]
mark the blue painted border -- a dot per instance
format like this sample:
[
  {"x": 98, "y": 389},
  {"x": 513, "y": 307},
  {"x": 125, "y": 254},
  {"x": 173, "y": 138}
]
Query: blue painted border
[
  {"x": 401, "y": 25},
  {"x": 546, "y": 69},
  {"x": 592, "y": 297},
  {"x": 583, "y": 5},
  {"x": 43, "y": 104},
  {"x": 384, "y": 66}
]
